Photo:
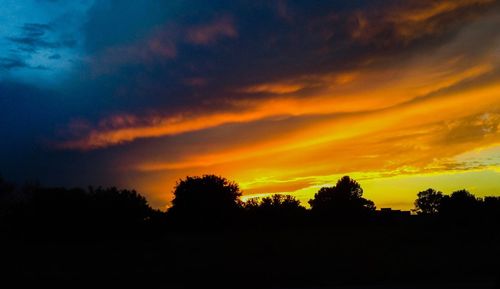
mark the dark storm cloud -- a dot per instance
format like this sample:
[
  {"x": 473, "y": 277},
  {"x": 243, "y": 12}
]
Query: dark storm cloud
[
  {"x": 55, "y": 56},
  {"x": 11, "y": 63},
  {"x": 143, "y": 57},
  {"x": 34, "y": 36},
  {"x": 15, "y": 62}
]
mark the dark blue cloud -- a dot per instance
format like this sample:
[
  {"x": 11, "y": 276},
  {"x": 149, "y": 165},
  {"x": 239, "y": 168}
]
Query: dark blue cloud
[
  {"x": 33, "y": 37},
  {"x": 140, "y": 56},
  {"x": 10, "y": 63}
]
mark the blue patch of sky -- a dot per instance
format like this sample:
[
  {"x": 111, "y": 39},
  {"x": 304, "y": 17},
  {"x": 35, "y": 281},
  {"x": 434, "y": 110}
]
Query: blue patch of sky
[{"x": 40, "y": 40}]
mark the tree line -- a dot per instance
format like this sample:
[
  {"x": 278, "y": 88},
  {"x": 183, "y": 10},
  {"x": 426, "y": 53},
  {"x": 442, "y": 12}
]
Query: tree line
[{"x": 211, "y": 201}]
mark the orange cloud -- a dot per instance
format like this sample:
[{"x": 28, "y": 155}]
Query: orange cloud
[
  {"x": 412, "y": 20},
  {"x": 277, "y": 88},
  {"x": 388, "y": 117},
  {"x": 211, "y": 32},
  {"x": 352, "y": 92}
]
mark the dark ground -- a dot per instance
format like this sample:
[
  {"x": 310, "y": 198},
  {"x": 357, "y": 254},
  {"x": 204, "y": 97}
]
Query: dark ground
[{"x": 403, "y": 256}]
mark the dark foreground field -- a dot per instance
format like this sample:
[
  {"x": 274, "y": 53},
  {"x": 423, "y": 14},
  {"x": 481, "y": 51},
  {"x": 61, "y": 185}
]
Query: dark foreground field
[{"x": 402, "y": 256}]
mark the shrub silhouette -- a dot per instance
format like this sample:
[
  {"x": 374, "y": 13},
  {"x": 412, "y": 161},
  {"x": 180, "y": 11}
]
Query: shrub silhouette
[
  {"x": 277, "y": 207},
  {"x": 208, "y": 199},
  {"x": 428, "y": 202},
  {"x": 61, "y": 212},
  {"x": 281, "y": 202},
  {"x": 344, "y": 199}
]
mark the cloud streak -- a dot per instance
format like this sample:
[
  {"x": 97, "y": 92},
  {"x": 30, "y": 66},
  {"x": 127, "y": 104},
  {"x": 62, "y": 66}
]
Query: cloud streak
[{"x": 211, "y": 32}]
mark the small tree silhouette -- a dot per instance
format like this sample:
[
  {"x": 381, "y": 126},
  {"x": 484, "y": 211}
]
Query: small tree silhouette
[
  {"x": 206, "y": 199},
  {"x": 428, "y": 202},
  {"x": 344, "y": 199}
]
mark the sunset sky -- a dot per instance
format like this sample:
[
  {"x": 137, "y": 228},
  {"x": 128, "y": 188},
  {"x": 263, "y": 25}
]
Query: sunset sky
[{"x": 279, "y": 96}]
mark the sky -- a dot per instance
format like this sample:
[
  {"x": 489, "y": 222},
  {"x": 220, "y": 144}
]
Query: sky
[{"x": 279, "y": 96}]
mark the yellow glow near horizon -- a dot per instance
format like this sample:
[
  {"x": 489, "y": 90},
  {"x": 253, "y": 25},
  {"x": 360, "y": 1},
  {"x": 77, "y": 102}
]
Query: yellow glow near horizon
[
  {"x": 403, "y": 140},
  {"x": 398, "y": 126}
]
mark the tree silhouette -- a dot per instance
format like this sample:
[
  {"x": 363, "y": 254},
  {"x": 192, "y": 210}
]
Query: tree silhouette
[
  {"x": 428, "y": 202},
  {"x": 281, "y": 202},
  {"x": 275, "y": 211},
  {"x": 491, "y": 209},
  {"x": 276, "y": 205},
  {"x": 344, "y": 199},
  {"x": 206, "y": 199},
  {"x": 119, "y": 205},
  {"x": 61, "y": 212},
  {"x": 460, "y": 205}
]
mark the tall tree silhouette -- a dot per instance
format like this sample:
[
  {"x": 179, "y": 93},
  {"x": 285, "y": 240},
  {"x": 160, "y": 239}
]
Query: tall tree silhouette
[
  {"x": 344, "y": 199},
  {"x": 428, "y": 202},
  {"x": 208, "y": 199}
]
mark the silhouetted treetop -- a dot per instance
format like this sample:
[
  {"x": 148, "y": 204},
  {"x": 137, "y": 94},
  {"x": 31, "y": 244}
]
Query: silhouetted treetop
[
  {"x": 206, "y": 192},
  {"x": 459, "y": 205},
  {"x": 345, "y": 198},
  {"x": 275, "y": 211},
  {"x": 123, "y": 205},
  {"x": 210, "y": 201},
  {"x": 201, "y": 199},
  {"x": 277, "y": 202},
  {"x": 428, "y": 202}
]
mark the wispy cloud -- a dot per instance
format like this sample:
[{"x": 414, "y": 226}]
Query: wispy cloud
[
  {"x": 209, "y": 33},
  {"x": 34, "y": 36},
  {"x": 11, "y": 63},
  {"x": 405, "y": 22}
]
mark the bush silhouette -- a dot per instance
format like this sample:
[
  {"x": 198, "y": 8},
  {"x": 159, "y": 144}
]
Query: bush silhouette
[
  {"x": 208, "y": 199},
  {"x": 281, "y": 202},
  {"x": 344, "y": 199},
  {"x": 277, "y": 207},
  {"x": 428, "y": 202},
  {"x": 60, "y": 212}
]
